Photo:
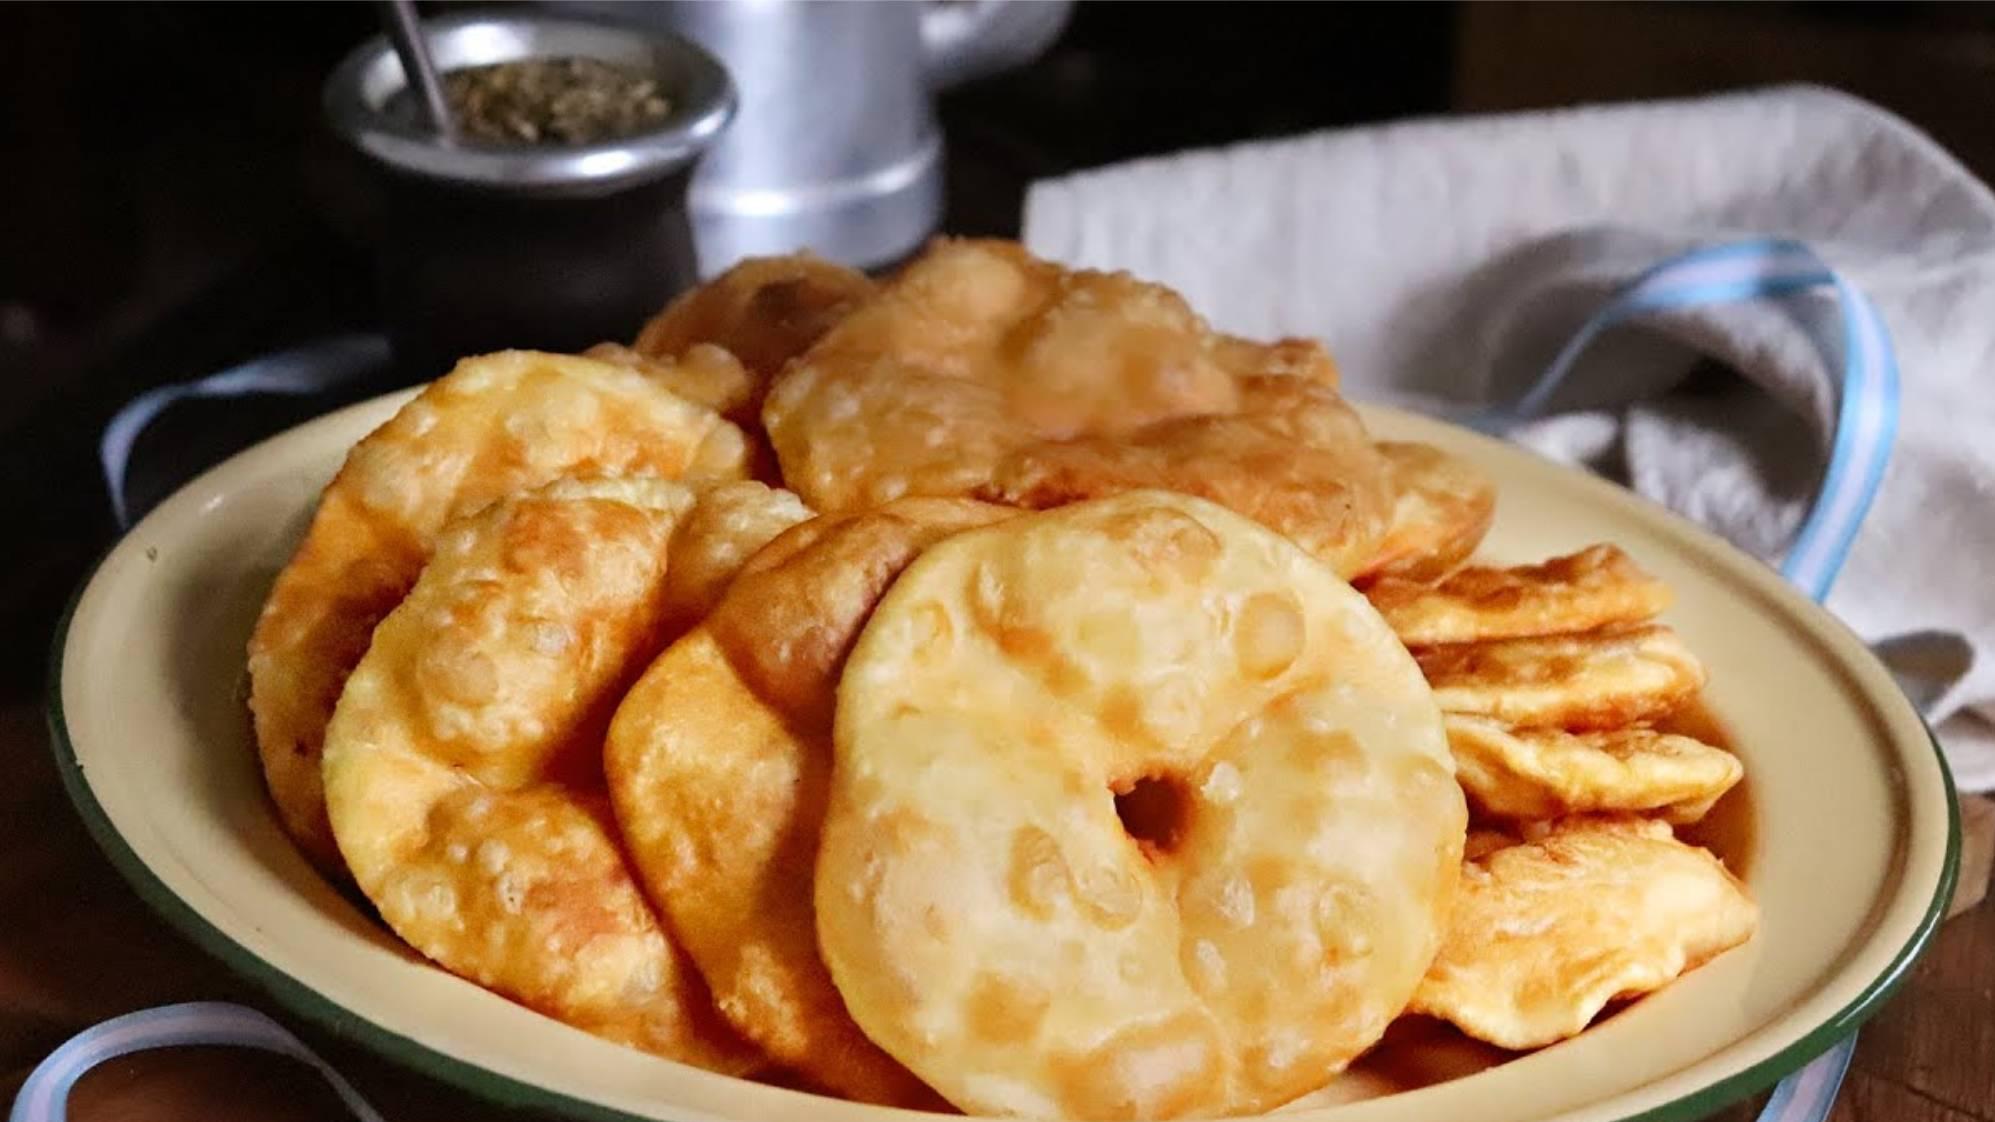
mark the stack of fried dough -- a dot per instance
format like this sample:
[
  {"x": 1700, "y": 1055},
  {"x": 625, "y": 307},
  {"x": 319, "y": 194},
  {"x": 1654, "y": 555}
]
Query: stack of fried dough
[{"x": 956, "y": 692}]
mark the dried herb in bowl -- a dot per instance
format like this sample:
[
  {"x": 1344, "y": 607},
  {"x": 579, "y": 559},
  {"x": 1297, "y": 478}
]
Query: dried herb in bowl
[{"x": 551, "y": 101}]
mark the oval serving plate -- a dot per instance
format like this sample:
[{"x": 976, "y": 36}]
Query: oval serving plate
[{"x": 1851, "y": 854}]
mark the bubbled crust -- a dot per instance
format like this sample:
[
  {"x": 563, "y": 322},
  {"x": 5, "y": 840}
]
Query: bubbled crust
[
  {"x": 980, "y": 370},
  {"x": 726, "y": 527},
  {"x": 1546, "y": 933},
  {"x": 495, "y": 425},
  {"x": 463, "y": 765},
  {"x": 980, "y": 905},
  {"x": 1549, "y": 773},
  {"x": 1441, "y": 508},
  {"x": 1591, "y": 680},
  {"x": 1599, "y": 586},
  {"x": 705, "y": 374},
  {"x": 764, "y": 312},
  {"x": 1292, "y": 456},
  {"x": 719, "y": 761}
]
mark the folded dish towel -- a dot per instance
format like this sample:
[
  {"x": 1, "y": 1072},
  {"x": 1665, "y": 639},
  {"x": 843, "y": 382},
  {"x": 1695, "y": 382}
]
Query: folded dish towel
[{"x": 1446, "y": 263}]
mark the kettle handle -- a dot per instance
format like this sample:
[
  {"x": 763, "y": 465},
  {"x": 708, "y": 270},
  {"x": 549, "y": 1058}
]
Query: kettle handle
[{"x": 966, "y": 39}]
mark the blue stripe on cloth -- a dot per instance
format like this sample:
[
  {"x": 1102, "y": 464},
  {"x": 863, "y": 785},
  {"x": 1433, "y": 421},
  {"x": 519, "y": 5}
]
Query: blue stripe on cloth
[
  {"x": 1866, "y": 386},
  {"x": 1866, "y": 424}
]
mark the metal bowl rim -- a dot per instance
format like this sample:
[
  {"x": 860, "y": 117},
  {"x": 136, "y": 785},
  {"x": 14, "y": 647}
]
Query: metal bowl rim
[{"x": 705, "y": 101}]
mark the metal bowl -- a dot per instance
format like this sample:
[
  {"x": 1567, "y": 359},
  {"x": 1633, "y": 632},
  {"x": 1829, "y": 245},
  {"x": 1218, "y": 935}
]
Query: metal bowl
[{"x": 360, "y": 91}]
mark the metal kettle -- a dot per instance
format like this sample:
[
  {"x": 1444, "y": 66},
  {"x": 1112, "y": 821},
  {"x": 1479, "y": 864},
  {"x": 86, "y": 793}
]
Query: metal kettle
[{"x": 835, "y": 147}]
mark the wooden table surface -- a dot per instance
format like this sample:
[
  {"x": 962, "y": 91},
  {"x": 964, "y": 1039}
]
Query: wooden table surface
[{"x": 77, "y": 946}]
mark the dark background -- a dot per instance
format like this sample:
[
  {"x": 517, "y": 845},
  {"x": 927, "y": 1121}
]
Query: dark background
[{"x": 169, "y": 204}]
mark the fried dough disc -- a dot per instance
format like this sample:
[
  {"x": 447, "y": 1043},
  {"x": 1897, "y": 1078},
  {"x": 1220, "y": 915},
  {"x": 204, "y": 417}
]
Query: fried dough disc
[
  {"x": 1292, "y": 826},
  {"x": 980, "y": 370},
  {"x": 1293, "y": 458},
  {"x": 463, "y": 766},
  {"x": 720, "y": 344},
  {"x": 763, "y": 312},
  {"x": 1596, "y": 680},
  {"x": 1596, "y": 587},
  {"x": 729, "y": 524},
  {"x": 495, "y": 425},
  {"x": 1546, "y": 933},
  {"x": 719, "y": 761},
  {"x": 710, "y": 376},
  {"x": 1546, "y": 773},
  {"x": 1441, "y": 508},
  {"x": 705, "y": 373}
]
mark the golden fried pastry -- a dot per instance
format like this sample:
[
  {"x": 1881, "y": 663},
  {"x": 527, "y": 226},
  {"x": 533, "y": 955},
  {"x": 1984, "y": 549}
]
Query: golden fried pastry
[
  {"x": 1633, "y": 825},
  {"x": 463, "y": 766},
  {"x": 1441, "y": 508},
  {"x": 1546, "y": 933},
  {"x": 1596, "y": 587},
  {"x": 705, "y": 374},
  {"x": 764, "y": 312},
  {"x": 1138, "y": 812},
  {"x": 714, "y": 378},
  {"x": 1293, "y": 457},
  {"x": 1595, "y": 680},
  {"x": 1547, "y": 773},
  {"x": 495, "y": 425},
  {"x": 719, "y": 761},
  {"x": 983, "y": 371},
  {"x": 729, "y": 524}
]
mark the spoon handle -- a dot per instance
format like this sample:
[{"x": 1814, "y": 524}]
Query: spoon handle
[{"x": 420, "y": 72}]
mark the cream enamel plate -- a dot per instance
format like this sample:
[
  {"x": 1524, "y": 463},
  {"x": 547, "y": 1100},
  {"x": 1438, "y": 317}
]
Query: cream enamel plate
[{"x": 1846, "y": 828}]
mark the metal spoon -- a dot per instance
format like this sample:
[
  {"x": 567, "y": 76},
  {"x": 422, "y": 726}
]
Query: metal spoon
[{"x": 406, "y": 32}]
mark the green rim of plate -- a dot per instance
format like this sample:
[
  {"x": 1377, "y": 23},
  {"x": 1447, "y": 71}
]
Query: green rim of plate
[
  {"x": 507, "y": 1091},
  {"x": 1749, "y": 1081}
]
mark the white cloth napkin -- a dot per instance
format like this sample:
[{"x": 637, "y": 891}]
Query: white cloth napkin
[{"x": 1450, "y": 259}]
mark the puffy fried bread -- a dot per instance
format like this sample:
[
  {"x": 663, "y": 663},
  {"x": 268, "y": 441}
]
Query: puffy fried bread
[
  {"x": 1441, "y": 508},
  {"x": 1548, "y": 773},
  {"x": 1292, "y": 457},
  {"x": 1594, "y": 680},
  {"x": 1138, "y": 811},
  {"x": 705, "y": 373},
  {"x": 495, "y": 425},
  {"x": 728, "y": 525},
  {"x": 463, "y": 766},
  {"x": 1546, "y": 933},
  {"x": 719, "y": 761},
  {"x": 764, "y": 311},
  {"x": 980, "y": 370},
  {"x": 1596, "y": 587}
]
